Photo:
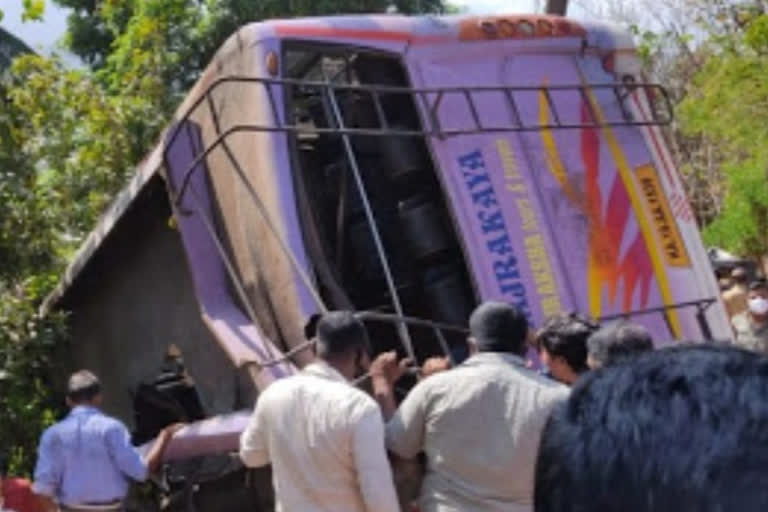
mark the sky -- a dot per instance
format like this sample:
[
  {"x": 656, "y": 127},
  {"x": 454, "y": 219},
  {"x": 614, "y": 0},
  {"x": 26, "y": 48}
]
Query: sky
[
  {"x": 45, "y": 36},
  {"x": 40, "y": 36}
]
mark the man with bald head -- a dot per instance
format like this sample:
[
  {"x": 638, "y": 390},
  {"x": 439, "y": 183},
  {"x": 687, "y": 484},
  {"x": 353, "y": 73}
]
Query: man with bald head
[{"x": 86, "y": 461}]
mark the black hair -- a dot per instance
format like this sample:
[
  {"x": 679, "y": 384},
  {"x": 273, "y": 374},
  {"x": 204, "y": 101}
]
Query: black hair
[
  {"x": 310, "y": 329},
  {"x": 611, "y": 344},
  {"x": 499, "y": 327},
  {"x": 3, "y": 465},
  {"x": 565, "y": 336},
  {"x": 676, "y": 430},
  {"x": 340, "y": 333}
]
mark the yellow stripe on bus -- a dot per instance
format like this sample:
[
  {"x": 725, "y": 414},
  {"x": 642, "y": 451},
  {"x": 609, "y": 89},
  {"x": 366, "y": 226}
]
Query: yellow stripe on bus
[
  {"x": 557, "y": 169},
  {"x": 645, "y": 227}
]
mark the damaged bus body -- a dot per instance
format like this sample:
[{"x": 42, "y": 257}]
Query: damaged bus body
[{"x": 409, "y": 168}]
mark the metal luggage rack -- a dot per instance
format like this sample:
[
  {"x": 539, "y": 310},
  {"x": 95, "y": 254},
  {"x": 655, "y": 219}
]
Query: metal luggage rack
[
  {"x": 701, "y": 306},
  {"x": 437, "y": 328},
  {"x": 431, "y": 100}
]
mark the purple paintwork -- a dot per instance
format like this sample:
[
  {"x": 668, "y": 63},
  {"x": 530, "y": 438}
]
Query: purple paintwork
[{"x": 237, "y": 334}]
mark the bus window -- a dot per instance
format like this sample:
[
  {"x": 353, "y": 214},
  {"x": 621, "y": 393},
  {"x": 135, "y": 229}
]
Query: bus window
[{"x": 400, "y": 184}]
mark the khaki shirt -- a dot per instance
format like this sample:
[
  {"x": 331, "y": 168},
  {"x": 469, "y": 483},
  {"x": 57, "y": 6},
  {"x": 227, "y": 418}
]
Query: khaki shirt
[
  {"x": 750, "y": 335},
  {"x": 325, "y": 441},
  {"x": 480, "y": 426},
  {"x": 735, "y": 300}
]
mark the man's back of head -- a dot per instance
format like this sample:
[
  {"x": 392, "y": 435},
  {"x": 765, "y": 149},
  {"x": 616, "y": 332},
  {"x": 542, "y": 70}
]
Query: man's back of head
[
  {"x": 499, "y": 327},
  {"x": 339, "y": 334},
  {"x": 325, "y": 443},
  {"x": 562, "y": 342},
  {"x": 83, "y": 387},
  {"x": 676, "y": 430},
  {"x": 612, "y": 344}
]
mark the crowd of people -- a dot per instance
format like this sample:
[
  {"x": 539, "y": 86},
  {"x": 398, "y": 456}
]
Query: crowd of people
[
  {"x": 746, "y": 303},
  {"x": 612, "y": 424},
  {"x": 607, "y": 424}
]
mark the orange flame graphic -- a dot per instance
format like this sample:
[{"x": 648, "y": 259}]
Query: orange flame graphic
[
  {"x": 607, "y": 223},
  {"x": 607, "y": 228}
]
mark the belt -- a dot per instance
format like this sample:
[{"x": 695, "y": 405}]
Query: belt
[{"x": 94, "y": 507}]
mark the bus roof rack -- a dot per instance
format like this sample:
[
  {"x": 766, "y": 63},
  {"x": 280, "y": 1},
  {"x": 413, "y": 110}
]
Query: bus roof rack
[{"x": 432, "y": 100}]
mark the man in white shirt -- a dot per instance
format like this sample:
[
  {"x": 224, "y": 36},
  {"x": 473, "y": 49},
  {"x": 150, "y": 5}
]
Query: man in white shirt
[
  {"x": 479, "y": 423},
  {"x": 323, "y": 437}
]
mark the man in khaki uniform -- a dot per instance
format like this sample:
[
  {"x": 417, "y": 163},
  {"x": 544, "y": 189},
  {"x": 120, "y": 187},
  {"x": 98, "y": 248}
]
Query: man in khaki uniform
[
  {"x": 735, "y": 298},
  {"x": 479, "y": 423},
  {"x": 751, "y": 327}
]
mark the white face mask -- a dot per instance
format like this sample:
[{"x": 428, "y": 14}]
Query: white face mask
[{"x": 758, "y": 306}]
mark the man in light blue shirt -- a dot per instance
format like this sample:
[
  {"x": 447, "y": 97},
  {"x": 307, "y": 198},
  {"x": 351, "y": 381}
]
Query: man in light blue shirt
[{"x": 86, "y": 461}]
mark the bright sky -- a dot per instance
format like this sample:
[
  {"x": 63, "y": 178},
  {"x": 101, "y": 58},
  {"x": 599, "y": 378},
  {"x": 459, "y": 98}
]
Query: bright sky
[
  {"x": 40, "y": 36},
  {"x": 44, "y": 36}
]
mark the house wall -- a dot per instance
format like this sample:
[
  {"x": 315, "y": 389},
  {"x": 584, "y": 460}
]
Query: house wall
[{"x": 134, "y": 299}]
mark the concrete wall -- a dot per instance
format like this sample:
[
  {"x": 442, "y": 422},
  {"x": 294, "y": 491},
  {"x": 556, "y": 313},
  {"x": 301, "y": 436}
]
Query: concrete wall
[{"x": 134, "y": 299}]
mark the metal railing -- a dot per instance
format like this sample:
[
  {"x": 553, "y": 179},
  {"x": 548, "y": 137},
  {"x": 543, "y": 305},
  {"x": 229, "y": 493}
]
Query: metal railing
[
  {"x": 701, "y": 306},
  {"x": 437, "y": 328},
  {"x": 431, "y": 99}
]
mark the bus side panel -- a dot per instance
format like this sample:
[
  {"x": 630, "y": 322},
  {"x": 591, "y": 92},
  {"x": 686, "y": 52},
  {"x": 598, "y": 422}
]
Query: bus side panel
[
  {"x": 586, "y": 187},
  {"x": 681, "y": 268},
  {"x": 585, "y": 204},
  {"x": 509, "y": 246}
]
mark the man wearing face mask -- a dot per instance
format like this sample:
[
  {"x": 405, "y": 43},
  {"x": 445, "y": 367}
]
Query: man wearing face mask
[
  {"x": 751, "y": 327},
  {"x": 324, "y": 437}
]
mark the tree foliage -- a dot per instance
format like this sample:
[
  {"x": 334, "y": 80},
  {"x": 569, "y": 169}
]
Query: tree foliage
[
  {"x": 95, "y": 26},
  {"x": 728, "y": 102},
  {"x": 73, "y": 135},
  {"x": 26, "y": 347}
]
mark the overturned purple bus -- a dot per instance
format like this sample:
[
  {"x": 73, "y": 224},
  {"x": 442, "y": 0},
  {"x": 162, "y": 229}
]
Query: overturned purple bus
[{"x": 409, "y": 168}]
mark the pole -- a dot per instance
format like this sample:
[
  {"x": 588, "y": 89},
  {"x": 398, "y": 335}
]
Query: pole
[{"x": 557, "y": 7}]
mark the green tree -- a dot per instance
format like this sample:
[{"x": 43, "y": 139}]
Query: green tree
[
  {"x": 94, "y": 26},
  {"x": 26, "y": 347},
  {"x": 75, "y": 138},
  {"x": 729, "y": 102}
]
